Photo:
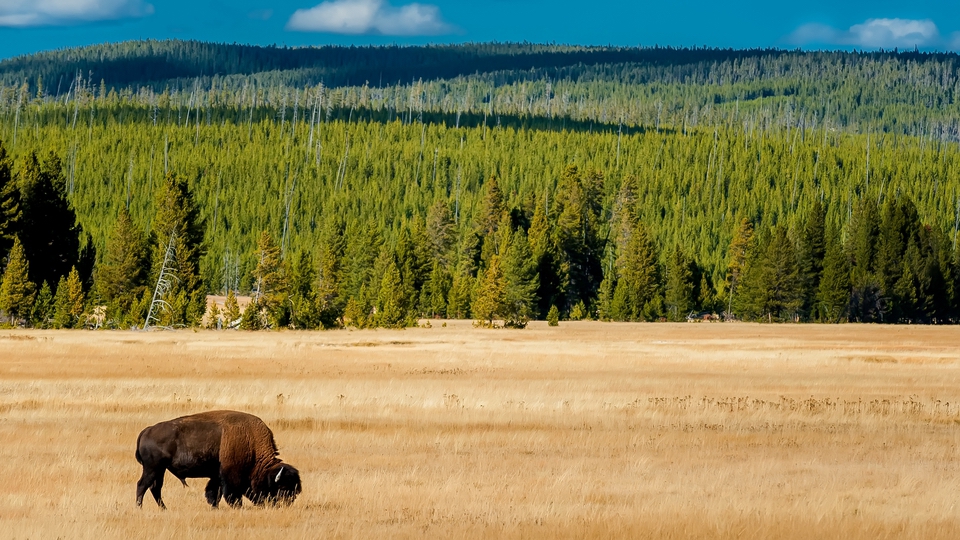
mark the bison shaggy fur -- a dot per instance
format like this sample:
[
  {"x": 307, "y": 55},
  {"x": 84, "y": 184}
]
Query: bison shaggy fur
[{"x": 235, "y": 450}]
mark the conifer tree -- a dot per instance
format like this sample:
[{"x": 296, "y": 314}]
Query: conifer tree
[
  {"x": 812, "y": 250},
  {"x": 521, "y": 280},
  {"x": 772, "y": 282},
  {"x": 231, "y": 310},
  {"x": 491, "y": 209},
  {"x": 271, "y": 281},
  {"x": 391, "y": 300},
  {"x": 68, "y": 302},
  {"x": 577, "y": 240},
  {"x": 10, "y": 212},
  {"x": 16, "y": 290},
  {"x": 636, "y": 295},
  {"x": 553, "y": 316},
  {"x": 737, "y": 256},
  {"x": 440, "y": 232},
  {"x": 866, "y": 293},
  {"x": 178, "y": 218},
  {"x": 543, "y": 251},
  {"x": 433, "y": 301},
  {"x": 43, "y": 308},
  {"x": 302, "y": 300},
  {"x": 121, "y": 278},
  {"x": 833, "y": 292},
  {"x": 48, "y": 227},
  {"x": 679, "y": 294},
  {"x": 330, "y": 301},
  {"x": 491, "y": 294}
]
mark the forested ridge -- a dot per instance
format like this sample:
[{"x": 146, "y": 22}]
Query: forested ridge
[{"x": 650, "y": 184}]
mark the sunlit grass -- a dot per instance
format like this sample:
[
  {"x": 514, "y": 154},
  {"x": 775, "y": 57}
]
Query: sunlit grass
[{"x": 585, "y": 430}]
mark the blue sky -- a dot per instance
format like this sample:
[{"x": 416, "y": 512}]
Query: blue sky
[{"x": 32, "y": 25}]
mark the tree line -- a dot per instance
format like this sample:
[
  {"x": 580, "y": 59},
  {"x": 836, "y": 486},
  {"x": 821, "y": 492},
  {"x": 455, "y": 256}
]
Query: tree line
[{"x": 571, "y": 257}]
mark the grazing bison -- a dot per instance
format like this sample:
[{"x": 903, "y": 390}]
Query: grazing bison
[{"x": 234, "y": 450}]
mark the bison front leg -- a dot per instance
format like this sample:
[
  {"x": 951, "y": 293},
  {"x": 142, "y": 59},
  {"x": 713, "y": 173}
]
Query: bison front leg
[{"x": 214, "y": 492}]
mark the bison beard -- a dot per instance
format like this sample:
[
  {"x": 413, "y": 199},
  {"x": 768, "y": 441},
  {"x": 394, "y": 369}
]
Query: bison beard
[{"x": 235, "y": 450}]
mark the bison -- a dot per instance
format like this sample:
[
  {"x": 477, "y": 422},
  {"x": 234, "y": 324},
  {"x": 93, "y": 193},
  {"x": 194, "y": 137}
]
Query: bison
[{"x": 235, "y": 450}]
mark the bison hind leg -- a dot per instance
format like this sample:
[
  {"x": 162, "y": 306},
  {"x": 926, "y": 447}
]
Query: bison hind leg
[
  {"x": 156, "y": 489},
  {"x": 152, "y": 480},
  {"x": 214, "y": 492}
]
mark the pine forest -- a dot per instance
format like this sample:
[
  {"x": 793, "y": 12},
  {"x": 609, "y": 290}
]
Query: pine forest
[{"x": 382, "y": 186}]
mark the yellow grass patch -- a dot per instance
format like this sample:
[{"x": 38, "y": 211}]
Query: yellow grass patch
[{"x": 584, "y": 430}]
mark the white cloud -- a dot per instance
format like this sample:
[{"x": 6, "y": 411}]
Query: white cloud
[
  {"x": 25, "y": 13},
  {"x": 874, "y": 33},
  {"x": 370, "y": 17}
]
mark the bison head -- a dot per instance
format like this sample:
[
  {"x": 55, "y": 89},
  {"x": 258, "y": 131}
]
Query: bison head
[{"x": 279, "y": 486}]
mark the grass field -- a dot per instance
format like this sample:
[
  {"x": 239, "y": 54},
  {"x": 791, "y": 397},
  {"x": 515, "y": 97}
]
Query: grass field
[{"x": 590, "y": 430}]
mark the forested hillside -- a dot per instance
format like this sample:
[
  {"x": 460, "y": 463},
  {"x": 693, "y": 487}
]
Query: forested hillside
[{"x": 496, "y": 182}]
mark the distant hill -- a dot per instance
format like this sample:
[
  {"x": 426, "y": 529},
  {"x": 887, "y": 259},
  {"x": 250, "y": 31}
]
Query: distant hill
[{"x": 902, "y": 92}]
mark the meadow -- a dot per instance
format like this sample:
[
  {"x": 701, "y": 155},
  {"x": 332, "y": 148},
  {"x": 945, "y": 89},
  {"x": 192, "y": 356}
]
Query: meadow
[{"x": 586, "y": 430}]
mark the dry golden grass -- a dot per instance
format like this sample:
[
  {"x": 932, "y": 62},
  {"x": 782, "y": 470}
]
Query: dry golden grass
[{"x": 586, "y": 430}]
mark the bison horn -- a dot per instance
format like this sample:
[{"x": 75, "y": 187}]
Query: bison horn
[{"x": 277, "y": 479}]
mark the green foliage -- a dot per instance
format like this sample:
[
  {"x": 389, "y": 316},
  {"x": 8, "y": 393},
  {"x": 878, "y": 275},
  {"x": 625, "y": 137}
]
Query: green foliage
[
  {"x": 43, "y": 308},
  {"x": 490, "y": 302},
  {"x": 68, "y": 302},
  {"x": 553, "y": 316},
  {"x": 178, "y": 221},
  {"x": 121, "y": 277},
  {"x": 10, "y": 213},
  {"x": 272, "y": 289},
  {"x": 231, "y": 310},
  {"x": 772, "y": 283},
  {"x": 679, "y": 294},
  {"x": 48, "y": 226},
  {"x": 521, "y": 281},
  {"x": 393, "y": 202},
  {"x": 16, "y": 290}
]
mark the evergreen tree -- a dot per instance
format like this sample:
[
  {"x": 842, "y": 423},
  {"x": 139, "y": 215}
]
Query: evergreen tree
[
  {"x": 43, "y": 308},
  {"x": 491, "y": 208},
  {"x": 271, "y": 282},
  {"x": 231, "y": 310},
  {"x": 440, "y": 232},
  {"x": 68, "y": 302},
  {"x": 391, "y": 306},
  {"x": 491, "y": 294},
  {"x": 543, "y": 251},
  {"x": 302, "y": 300},
  {"x": 833, "y": 292},
  {"x": 812, "y": 251},
  {"x": 48, "y": 229},
  {"x": 553, "y": 316},
  {"x": 521, "y": 280},
  {"x": 577, "y": 239},
  {"x": 121, "y": 277},
  {"x": 178, "y": 220},
  {"x": 679, "y": 295},
  {"x": 637, "y": 293},
  {"x": 772, "y": 286},
  {"x": 10, "y": 213},
  {"x": 16, "y": 290},
  {"x": 866, "y": 303},
  {"x": 898, "y": 260},
  {"x": 433, "y": 301},
  {"x": 737, "y": 256},
  {"x": 330, "y": 302}
]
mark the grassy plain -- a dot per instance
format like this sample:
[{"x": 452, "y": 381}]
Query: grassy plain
[{"x": 589, "y": 430}]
